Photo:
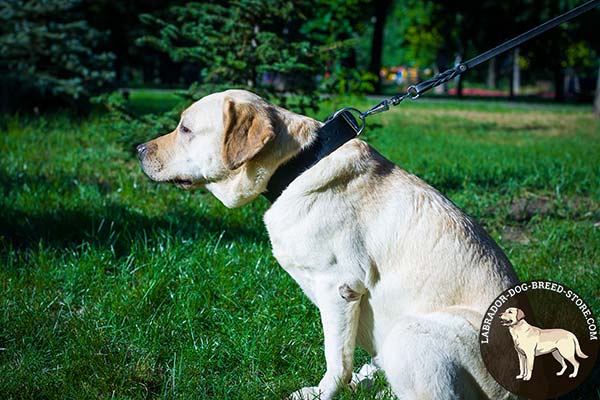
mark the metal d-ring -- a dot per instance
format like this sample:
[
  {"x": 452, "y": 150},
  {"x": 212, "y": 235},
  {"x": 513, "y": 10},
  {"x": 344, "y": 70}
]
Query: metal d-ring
[
  {"x": 412, "y": 92},
  {"x": 361, "y": 117}
]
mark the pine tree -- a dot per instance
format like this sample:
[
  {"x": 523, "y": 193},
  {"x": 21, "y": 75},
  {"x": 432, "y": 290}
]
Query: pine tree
[
  {"x": 270, "y": 47},
  {"x": 47, "y": 52}
]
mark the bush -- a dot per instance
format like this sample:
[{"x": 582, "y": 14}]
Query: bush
[
  {"x": 273, "y": 48},
  {"x": 48, "y": 53}
]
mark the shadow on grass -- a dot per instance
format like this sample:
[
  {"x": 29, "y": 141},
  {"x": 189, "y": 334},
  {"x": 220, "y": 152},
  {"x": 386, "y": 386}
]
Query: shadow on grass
[{"x": 113, "y": 226}]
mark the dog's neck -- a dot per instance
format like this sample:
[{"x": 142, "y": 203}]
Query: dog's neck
[
  {"x": 336, "y": 131},
  {"x": 294, "y": 133},
  {"x": 518, "y": 326}
]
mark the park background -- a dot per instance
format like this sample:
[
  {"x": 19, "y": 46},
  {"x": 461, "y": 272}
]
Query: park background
[{"x": 117, "y": 287}]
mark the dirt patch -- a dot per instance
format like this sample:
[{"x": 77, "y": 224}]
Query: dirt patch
[
  {"x": 524, "y": 208},
  {"x": 547, "y": 124},
  {"x": 582, "y": 207},
  {"x": 573, "y": 207},
  {"x": 515, "y": 234}
]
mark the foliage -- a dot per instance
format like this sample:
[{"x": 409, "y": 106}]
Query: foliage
[
  {"x": 134, "y": 126},
  {"x": 580, "y": 54},
  {"x": 271, "y": 48},
  {"x": 413, "y": 34},
  {"x": 47, "y": 52},
  {"x": 115, "y": 286},
  {"x": 345, "y": 82},
  {"x": 235, "y": 44},
  {"x": 425, "y": 33}
]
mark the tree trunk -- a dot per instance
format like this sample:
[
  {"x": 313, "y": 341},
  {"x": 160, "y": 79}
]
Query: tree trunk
[
  {"x": 381, "y": 9},
  {"x": 597, "y": 97},
  {"x": 459, "y": 79},
  {"x": 491, "y": 74},
  {"x": 442, "y": 59},
  {"x": 4, "y": 95},
  {"x": 516, "y": 74},
  {"x": 559, "y": 83},
  {"x": 441, "y": 88}
]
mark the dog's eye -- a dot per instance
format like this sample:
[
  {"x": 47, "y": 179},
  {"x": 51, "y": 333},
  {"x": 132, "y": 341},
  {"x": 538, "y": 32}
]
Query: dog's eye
[{"x": 184, "y": 129}]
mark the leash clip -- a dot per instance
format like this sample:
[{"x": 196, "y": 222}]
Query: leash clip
[{"x": 381, "y": 107}]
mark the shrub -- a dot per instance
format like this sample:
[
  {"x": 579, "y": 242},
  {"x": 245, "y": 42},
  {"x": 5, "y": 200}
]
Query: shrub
[{"x": 48, "y": 53}]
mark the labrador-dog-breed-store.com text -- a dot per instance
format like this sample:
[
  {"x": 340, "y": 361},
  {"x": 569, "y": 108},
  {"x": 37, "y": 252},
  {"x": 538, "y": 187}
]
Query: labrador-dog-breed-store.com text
[{"x": 393, "y": 265}]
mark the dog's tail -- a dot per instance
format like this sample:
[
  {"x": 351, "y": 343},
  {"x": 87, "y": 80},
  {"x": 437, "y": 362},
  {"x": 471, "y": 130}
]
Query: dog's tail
[{"x": 580, "y": 353}]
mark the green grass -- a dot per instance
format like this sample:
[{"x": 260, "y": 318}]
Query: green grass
[{"x": 115, "y": 286}]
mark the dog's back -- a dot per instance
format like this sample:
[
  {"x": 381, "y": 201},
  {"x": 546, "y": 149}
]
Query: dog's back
[{"x": 417, "y": 237}]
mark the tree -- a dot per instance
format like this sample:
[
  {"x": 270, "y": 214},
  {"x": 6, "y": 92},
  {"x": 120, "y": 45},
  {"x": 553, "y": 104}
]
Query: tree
[
  {"x": 415, "y": 30},
  {"x": 268, "y": 47},
  {"x": 573, "y": 45},
  {"x": 597, "y": 96},
  {"x": 491, "y": 74},
  {"x": 48, "y": 53},
  {"x": 515, "y": 77},
  {"x": 338, "y": 25},
  {"x": 135, "y": 65},
  {"x": 433, "y": 33},
  {"x": 381, "y": 12}
]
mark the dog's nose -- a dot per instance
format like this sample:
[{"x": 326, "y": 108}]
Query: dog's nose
[{"x": 142, "y": 149}]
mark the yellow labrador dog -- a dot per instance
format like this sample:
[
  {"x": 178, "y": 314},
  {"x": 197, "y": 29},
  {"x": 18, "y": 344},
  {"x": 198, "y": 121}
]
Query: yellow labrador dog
[
  {"x": 531, "y": 341},
  {"x": 392, "y": 264}
]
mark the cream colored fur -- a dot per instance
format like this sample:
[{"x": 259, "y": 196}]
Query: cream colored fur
[
  {"x": 531, "y": 341},
  {"x": 392, "y": 264}
]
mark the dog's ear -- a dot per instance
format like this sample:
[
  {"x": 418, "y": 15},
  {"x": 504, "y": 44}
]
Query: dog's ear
[
  {"x": 520, "y": 314},
  {"x": 248, "y": 129}
]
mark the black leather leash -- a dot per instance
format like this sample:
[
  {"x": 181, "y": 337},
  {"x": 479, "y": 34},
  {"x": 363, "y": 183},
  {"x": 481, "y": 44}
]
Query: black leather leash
[{"x": 342, "y": 126}]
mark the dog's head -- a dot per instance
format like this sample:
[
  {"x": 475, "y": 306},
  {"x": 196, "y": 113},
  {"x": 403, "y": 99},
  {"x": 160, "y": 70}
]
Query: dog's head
[
  {"x": 511, "y": 316},
  {"x": 229, "y": 142}
]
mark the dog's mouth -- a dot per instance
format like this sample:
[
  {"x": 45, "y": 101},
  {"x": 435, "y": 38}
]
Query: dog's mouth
[
  {"x": 181, "y": 183},
  {"x": 505, "y": 321}
]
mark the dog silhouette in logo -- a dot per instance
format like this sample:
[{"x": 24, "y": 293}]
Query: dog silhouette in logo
[{"x": 531, "y": 341}]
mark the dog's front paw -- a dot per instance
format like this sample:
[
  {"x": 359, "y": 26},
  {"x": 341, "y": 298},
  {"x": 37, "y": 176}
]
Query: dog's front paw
[
  {"x": 519, "y": 377},
  {"x": 307, "y": 393},
  {"x": 527, "y": 377}
]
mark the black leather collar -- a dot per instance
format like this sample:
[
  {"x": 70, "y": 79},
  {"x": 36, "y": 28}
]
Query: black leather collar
[{"x": 337, "y": 130}]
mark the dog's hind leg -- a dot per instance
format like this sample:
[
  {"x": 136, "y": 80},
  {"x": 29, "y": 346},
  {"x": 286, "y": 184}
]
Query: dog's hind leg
[
  {"x": 436, "y": 356},
  {"x": 561, "y": 360},
  {"x": 575, "y": 364},
  {"x": 575, "y": 367},
  {"x": 569, "y": 355},
  {"x": 567, "y": 350}
]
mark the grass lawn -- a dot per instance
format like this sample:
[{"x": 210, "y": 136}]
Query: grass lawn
[{"x": 113, "y": 286}]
